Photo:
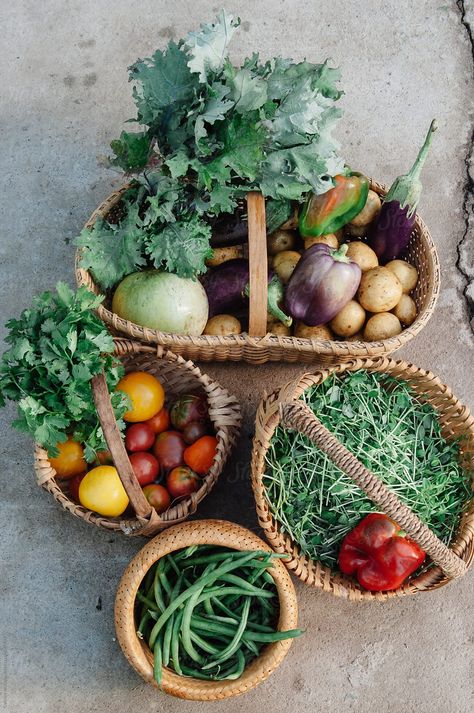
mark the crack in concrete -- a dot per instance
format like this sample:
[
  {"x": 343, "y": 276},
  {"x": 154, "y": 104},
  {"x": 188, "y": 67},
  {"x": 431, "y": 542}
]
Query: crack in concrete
[{"x": 465, "y": 261}]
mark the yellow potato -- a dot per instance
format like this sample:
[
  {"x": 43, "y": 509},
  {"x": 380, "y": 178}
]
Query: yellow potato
[
  {"x": 358, "y": 337},
  {"x": 279, "y": 329},
  {"x": 363, "y": 255},
  {"x": 329, "y": 239},
  {"x": 405, "y": 310},
  {"x": 372, "y": 206},
  {"x": 382, "y": 326},
  {"x": 379, "y": 290},
  {"x": 355, "y": 231},
  {"x": 284, "y": 263},
  {"x": 222, "y": 325},
  {"x": 280, "y": 240},
  {"x": 304, "y": 331},
  {"x": 407, "y": 274},
  {"x": 349, "y": 320}
]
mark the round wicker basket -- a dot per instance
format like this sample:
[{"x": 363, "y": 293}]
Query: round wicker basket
[
  {"x": 202, "y": 532},
  {"x": 177, "y": 376},
  {"x": 256, "y": 347},
  {"x": 283, "y": 407}
]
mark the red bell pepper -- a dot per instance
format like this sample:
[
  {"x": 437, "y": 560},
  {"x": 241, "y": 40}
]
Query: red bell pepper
[{"x": 378, "y": 554}]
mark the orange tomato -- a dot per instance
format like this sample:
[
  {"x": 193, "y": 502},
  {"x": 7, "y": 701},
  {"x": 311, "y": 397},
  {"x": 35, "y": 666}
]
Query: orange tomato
[
  {"x": 70, "y": 461},
  {"x": 160, "y": 422},
  {"x": 146, "y": 394},
  {"x": 200, "y": 455}
]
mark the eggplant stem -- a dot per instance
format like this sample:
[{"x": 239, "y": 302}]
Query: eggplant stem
[{"x": 415, "y": 170}]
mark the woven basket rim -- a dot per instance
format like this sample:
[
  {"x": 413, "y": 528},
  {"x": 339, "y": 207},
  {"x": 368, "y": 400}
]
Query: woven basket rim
[
  {"x": 224, "y": 413},
  {"x": 314, "y": 572},
  {"x": 323, "y": 348},
  {"x": 216, "y": 532}
]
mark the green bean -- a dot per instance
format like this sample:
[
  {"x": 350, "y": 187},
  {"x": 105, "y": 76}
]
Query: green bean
[
  {"x": 175, "y": 643},
  {"x": 144, "y": 600},
  {"x": 203, "y": 644},
  {"x": 239, "y": 582},
  {"x": 143, "y": 622},
  {"x": 239, "y": 668},
  {"x": 234, "y": 644},
  {"x": 157, "y": 664},
  {"x": 186, "y": 628},
  {"x": 157, "y": 587},
  {"x": 220, "y": 605},
  {"x": 251, "y": 646},
  {"x": 169, "y": 624}
]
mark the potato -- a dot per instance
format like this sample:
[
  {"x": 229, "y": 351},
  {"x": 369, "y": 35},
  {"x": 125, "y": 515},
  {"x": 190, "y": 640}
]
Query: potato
[
  {"x": 304, "y": 331},
  {"x": 329, "y": 239},
  {"x": 382, "y": 326},
  {"x": 284, "y": 263},
  {"x": 355, "y": 231},
  {"x": 407, "y": 274},
  {"x": 358, "y": 337},
  {"x": 279, "y": 329},
  {"x": 363, "y": 255},
  {"x": 222, "y": 325},
  {"x": 280, "y": 240},
  {"x": 371, "y": 208},
  {"x": 221, "y": 255},
  {"x": 379, "y": 290},
  {"x": 349, "y": 320},
  {"x": 405, "y": 310}
]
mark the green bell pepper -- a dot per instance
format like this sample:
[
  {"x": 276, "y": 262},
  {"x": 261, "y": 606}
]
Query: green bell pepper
[{"x": 329, "y": 211}]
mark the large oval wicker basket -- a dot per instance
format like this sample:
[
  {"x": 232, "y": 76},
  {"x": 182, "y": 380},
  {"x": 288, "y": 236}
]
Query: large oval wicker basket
[
  {"x": 284, "y": 407},
  {"x": 177, "y": 377},
  {"x": 202, "y": 532},
  {"x": 257, "y": 347}
]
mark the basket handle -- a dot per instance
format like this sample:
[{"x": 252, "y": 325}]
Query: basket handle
[
  {"x": 101, "y": 395},
  {"x": 258, "y": 267},
  {"x": 298, "y": 416}
]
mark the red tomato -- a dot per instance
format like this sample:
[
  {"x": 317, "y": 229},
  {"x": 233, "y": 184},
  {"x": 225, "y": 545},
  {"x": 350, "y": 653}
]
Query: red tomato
[
  {"x": 74, "y": 484},
  {"x": 182, "y": 481},
  {"x": 193, "y": 431},
  {"x": 189, "y": 407},
  {"x": 200, "y": 455},
  {"x": 145, "y": 466},
  {"x": 139, "y": 437},
  {"x": 160, "y": 422},
  {"x": 157, "y": 496},
  {"x": 169, "y": 448},
  {"x": 104, "y": 458}
]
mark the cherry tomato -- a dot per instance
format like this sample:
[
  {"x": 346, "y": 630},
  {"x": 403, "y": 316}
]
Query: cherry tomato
[
  {"x": 139, "y": 437},
  {"x": 200, "y": 455},
  {"x": 74, "y": 484},
  {"x": 193, "y": 431},
  {"x": 146, "y": 394},
  {"x": 182, "y": 481},
  {"x": 158, "y": 496},
  {"x": 145, "y": 466},
  {"x": 101, "y": 490},
  {"x": 70, "y": 461},
  {"x": 169, "y": 449},
  {"x": 189, "y": 407},
  {"x": 160, "y": 422}
]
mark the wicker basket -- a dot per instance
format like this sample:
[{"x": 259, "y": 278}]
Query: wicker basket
[
  {"x": 202, "y": 532},
  {"x": 177, "y": 376},
  {"x": 256, "y": 347},
  {"x": 283, "y": 406}
]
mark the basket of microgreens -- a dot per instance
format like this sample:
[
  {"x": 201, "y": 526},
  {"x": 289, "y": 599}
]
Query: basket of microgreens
[
  {"x": 240, "y": 232},
  {"x": 362, "y": 474},
  {"x": 129, "y": 437}
]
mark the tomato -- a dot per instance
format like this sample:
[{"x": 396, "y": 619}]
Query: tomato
[
  {"x": 182, "y": 481},
  {"x": 200, "y": 455},
  {"x": 157, "y": 496},
  {"x": 70, "y": 461},
  {"x": 193, "y": 431},
  {"x": 104, "y": 458},
  {"x": 146, "y": 394},
  {"x": 74, "y": 484},
  {"x": 101, "y": 490},
  {"x": 189, "y": 407},
  {"x": 139, "y": 437},
  {"x": 145, "y": 466},
  {"x": 160, "y": 422},
  {"x": 169, "y": 449}
]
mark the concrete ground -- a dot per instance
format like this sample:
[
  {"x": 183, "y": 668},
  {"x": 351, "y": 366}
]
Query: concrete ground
[{"x": 64, "y": 97}]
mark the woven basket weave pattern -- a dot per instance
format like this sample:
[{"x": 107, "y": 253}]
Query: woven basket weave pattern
[
  {"x": 456, "y": 421},
  {"x": 203, "y": 532}
]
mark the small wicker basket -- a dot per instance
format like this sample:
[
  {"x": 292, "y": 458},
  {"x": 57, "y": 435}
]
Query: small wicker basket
[
  {"x": 257, "y": 347},
  {"x": 202, "y": 532},
  {"x": 177, "y": 376},
  {"x": 284, "y": 407}
]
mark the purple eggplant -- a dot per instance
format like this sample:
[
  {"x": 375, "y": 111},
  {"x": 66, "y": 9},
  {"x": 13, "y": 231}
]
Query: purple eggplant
[
  {"x": 391, "y": 231},
  {"x": 323, "y": 282}
]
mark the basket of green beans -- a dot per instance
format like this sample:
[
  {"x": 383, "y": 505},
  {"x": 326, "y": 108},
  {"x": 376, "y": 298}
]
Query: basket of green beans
[{"x": 206, "y": 611}]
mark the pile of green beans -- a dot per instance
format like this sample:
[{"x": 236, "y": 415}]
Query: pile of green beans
[{"x": 207, "y": 611}]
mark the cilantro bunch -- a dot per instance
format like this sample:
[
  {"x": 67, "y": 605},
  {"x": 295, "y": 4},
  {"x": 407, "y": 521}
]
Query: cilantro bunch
[
  {"x": 210, "y": 132},
  {"x": 57, "y": 346}
]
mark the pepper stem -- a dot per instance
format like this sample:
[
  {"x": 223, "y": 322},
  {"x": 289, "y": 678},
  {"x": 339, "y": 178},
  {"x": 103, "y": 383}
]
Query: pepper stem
[
  {"x": 340, "y": 253},
  {"x": 415, "y": 170}
]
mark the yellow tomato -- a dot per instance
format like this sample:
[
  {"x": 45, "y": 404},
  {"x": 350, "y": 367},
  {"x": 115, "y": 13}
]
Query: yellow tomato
[
  {"x": 146, "y": 394},
  {"x": 101, "y": 490},
  {"x": 70, "y": 461}
]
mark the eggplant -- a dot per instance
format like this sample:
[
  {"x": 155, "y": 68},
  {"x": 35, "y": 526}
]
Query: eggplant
[
  {"x": 323, "y": 282},
  {"x": 227, "y": 287},
  {"x": 229, "y": 229},
  {"x": 391, "y": 231}
]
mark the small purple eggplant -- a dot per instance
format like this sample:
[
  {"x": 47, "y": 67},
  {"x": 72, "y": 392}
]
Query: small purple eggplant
[
  {"x": 391, "y": 231},
  {"x": 323, "y": 282}
]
